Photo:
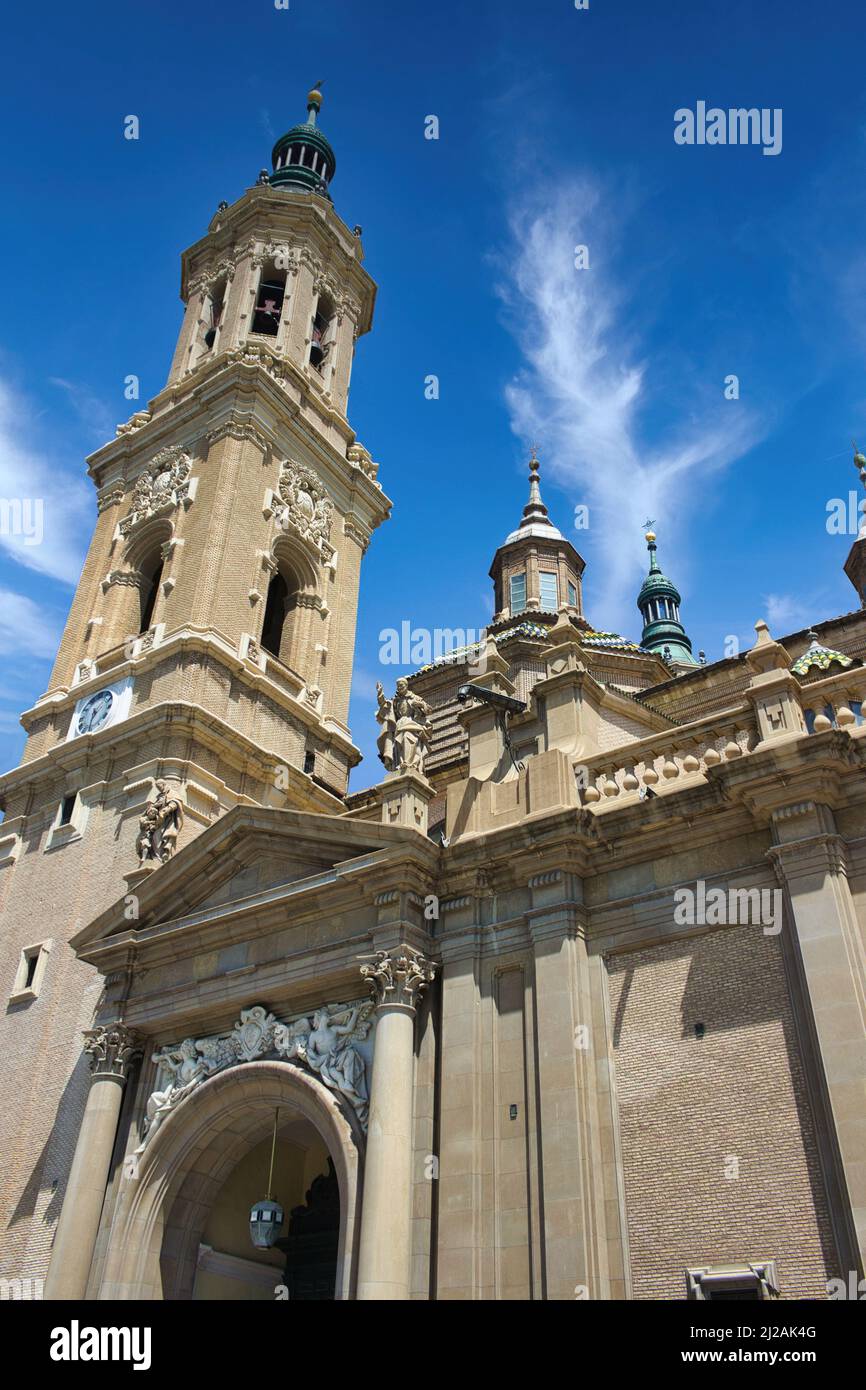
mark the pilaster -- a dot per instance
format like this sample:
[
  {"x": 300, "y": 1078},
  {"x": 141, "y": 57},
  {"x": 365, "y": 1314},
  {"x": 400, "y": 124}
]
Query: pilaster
[
  {"x": 812, "y": 866},
  {"x": 573, "y": 1168}
]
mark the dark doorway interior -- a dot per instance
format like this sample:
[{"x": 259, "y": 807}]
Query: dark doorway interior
[{"x": 311, "y": 1245}]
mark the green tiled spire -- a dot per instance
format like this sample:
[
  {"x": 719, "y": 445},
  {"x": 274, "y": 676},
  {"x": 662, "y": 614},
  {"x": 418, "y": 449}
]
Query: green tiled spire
[{"x": 659, "y": 603}]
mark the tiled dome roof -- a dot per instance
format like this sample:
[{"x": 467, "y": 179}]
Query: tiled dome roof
[{"x": 819, "y": 658}]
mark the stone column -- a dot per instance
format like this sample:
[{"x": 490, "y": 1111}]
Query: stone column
[
  {"x": 111, "y": 1050},
  {"x": 396, "y": 980}
]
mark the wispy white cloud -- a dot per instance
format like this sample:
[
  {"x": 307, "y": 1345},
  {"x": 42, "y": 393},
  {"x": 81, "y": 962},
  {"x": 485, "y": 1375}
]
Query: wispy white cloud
[
  {"x": 267, "y": 123},
  {"x": 787, "y": 613},
  {"x": 47, "y": 514},
  {"x": 93, "y": 413},
  {"x": 584, "y": 385},
  {"x": 26, "y": 630},
  {"x": 363, "y": 684}
]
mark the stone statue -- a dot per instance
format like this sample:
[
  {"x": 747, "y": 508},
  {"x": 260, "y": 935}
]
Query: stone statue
[
  {"x": 159, "y": 826},
  {"x": 326, "y": 1048},
  {"x": 187, "y": 1067},
  {"x": 406, "y": 729}
]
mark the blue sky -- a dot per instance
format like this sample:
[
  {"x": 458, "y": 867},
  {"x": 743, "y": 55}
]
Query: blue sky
[{"x": 555, "y": 130}]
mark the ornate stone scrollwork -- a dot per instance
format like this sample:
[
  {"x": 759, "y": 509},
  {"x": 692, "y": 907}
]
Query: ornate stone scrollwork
[
  {"x": 348, "y": 305},
  {"x": 253, "y": 1033},
  {"x": 334, "y": 1045},
  {"x": 359, "y": 457},
  {"x": 135, "y": 422},
  {"x": 207, "y": 279},
  {"x": 162, "y": 486},
  {"x": 109, "y": 497},
  {"x": 399, "y": 979},
  {"x": 130, "y": 579},
  {"x": 111, "y": 1048},
  {"x": 302, "y": 505},
  {"x": 256, "y": 355}
]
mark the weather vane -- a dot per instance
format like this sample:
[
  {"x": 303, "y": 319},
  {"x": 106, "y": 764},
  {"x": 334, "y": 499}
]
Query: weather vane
[{"x": 648, "y": 524}]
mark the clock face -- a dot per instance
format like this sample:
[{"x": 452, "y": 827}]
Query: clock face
[{"x": 95, "y": 711}]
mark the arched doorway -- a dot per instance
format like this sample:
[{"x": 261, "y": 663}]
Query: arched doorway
[
  {"x": 302, "y": 1264},
  {"x": 202, "y": 1160}
]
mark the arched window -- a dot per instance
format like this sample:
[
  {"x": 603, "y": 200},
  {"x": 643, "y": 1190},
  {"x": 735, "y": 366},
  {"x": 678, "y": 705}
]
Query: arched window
[
  {"x": 214, "y": 313},
  {"x": 320, "y": 343},
  {"x": 271, "y": 293},
  {"x": 149, "y": 589},
  {"x": 281, "y": 601}
]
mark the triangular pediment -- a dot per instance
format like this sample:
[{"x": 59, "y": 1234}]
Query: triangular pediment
[{"x": 245, "y": 856}]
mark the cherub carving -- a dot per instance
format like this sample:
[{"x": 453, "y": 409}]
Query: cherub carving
[
  {"x": 326, "y": 1046},
  {"x": 187, "y": 1067}
]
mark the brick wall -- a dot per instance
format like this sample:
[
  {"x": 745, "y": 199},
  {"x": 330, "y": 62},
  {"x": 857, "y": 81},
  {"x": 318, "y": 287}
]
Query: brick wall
[{"x": 690, "y": 1106}]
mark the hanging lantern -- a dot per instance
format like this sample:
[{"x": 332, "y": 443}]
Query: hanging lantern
[
  {"x": 266, "y": 1216},
  {"x": 266, "y": 1222}
]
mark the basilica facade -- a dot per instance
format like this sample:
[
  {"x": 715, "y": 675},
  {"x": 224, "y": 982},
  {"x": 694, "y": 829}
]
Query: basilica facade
[{"x": 571, "y": 1004}]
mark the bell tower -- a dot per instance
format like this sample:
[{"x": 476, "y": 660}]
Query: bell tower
[
  {"x": 209, "y": 645},
  {"x": 234, "y": 511}
]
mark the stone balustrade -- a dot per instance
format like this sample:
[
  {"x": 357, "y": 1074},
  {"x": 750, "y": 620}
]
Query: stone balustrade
[
  {"x": 835, "y": 701},
  {"x": 672, "y": 758}
]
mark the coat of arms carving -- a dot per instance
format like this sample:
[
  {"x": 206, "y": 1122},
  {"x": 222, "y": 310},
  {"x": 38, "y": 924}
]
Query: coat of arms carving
[
  {"x": 334, "y": 1043},
  {"x": 301, "y": 504},
  {"x": 163, "y": 485}
]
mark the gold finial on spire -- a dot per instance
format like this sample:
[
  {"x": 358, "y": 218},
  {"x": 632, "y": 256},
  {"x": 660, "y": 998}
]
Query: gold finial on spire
[{"x": 314, "y": 95}]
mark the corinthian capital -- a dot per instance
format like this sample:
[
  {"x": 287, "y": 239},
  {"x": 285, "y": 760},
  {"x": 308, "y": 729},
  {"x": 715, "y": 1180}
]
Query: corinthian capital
[
  {"x": 111, "y": 1048},
  {"x": 398, "y": 978}
]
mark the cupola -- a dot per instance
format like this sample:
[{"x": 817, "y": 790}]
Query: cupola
[
  {"x": 536, "y": 570},
  {"x": 303, "y": 158},
  {"x": 659, "y": 603}
]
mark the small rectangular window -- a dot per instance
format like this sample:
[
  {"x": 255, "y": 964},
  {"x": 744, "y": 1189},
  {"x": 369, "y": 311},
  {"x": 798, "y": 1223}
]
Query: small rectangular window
[
  {"x": 572, "y": 596},
  {"x": 549, "y": 591},
  {"x": 309, "y": 763},
  {"x": 31, "y": 970},
  {"x": 518, "y": 593},
  {"x": 67, "y": 806},
  {"x": 746, "y": 1282}
]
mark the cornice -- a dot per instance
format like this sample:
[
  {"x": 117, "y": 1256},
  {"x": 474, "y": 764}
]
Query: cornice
[
  {"x": 183, "y": 717},
  {"x": 351, "y": 880},
  {"x": 812, "y": 768},
  {"x": 187, "y": 639},
  {"x": 205, "y": 405},
  {"x": 263, "y": 215}
]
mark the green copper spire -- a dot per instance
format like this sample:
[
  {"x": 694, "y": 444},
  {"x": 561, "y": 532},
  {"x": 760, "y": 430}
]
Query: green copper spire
[
  {"x": 659, "y": 604},
  {"x": 302, "y": 159}
]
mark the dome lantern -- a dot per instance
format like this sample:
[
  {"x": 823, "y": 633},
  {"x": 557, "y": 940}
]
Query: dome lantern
[
  {"x": 659, "y": 604},
  {"x": 303, "y": 159}
]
